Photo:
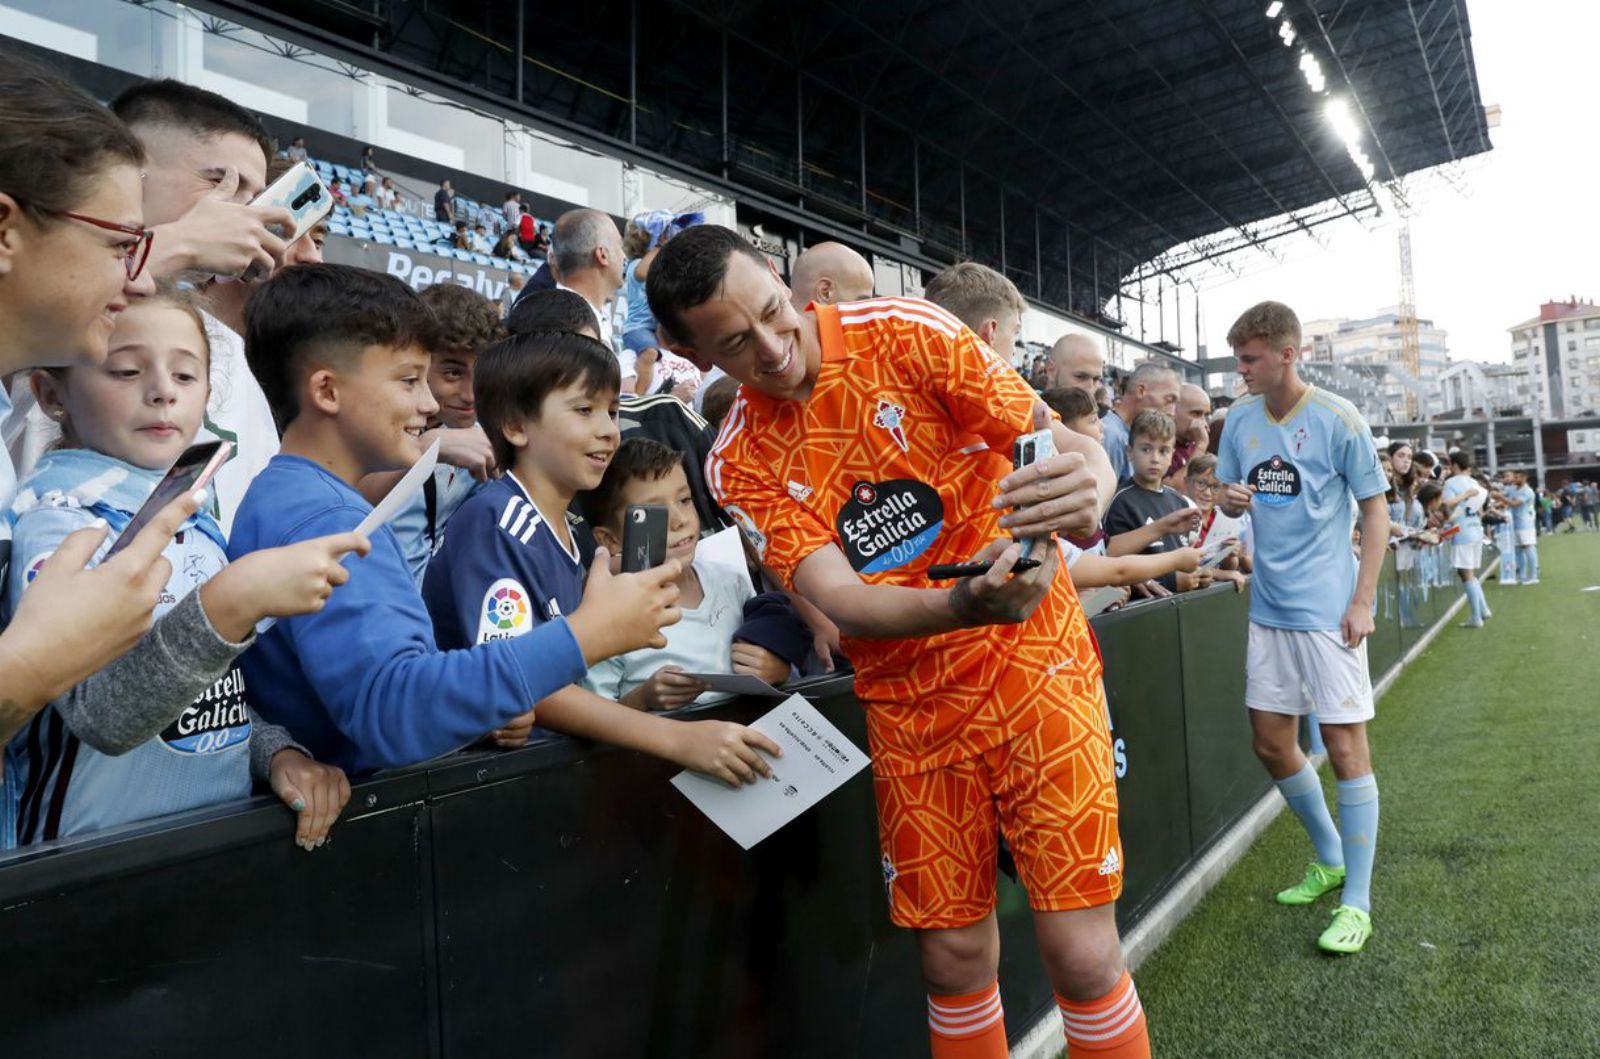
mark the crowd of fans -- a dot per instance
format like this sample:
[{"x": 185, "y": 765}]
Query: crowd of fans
[{"x": 125, "y": 236}]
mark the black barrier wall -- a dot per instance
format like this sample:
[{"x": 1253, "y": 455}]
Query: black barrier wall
[{"x": 564, "y": 900}]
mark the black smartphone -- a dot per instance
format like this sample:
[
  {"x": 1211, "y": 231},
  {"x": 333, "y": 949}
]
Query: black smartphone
[
  {"x": 952, "y": 571},
  {"x": 194, "y": 469},
  {"x": 644, "y": 537}
]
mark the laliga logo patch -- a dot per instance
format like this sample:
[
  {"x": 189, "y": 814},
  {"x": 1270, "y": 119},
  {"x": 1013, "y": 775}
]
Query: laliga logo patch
[
  {"x": 1277, "y": 482},
  {"x": 505, "y": 611},
  {"x": 214, "y": 722},
  {"x": 747, "y": 526},
  {"x": 34, "y": 566},
  {"x": 888, "y": 524},
  {"x": 891, "y": 417}
]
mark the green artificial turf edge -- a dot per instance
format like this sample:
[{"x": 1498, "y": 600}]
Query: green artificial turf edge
[{"x": 1486, "y": 899}]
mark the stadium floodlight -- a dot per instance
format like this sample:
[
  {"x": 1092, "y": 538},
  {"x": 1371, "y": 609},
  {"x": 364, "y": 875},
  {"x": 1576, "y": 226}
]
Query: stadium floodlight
[
  {"x": 1337, "y": 110},
  {"x": 1313, "y": 71},
  {"x": 1286, "y": 32},
  {"x": 1274, "y": 8}
]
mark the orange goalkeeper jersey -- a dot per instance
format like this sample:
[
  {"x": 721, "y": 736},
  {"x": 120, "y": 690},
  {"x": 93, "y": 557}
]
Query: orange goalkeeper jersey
[{"x": 895, "y": 459}]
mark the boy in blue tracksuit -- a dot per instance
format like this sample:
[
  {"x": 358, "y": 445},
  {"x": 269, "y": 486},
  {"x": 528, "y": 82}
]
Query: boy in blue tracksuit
[{"x": 337, "y": 351}]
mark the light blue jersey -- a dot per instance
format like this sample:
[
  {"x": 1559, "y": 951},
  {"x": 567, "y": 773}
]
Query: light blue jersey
[
  {"x": 1522, "y": 517},
  {"x": 701, "y": 643},
  {"x": 1467, "y": 518},
  {"x": 1114, "y": 438},
  {"x": 57, "y": 785},
  {"x": 1306, "y": 468}
]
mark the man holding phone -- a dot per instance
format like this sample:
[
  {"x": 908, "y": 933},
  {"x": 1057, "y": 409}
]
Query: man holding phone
[
  {"x": 208, "y": 163},
  {"x": 869, "y": 441}
]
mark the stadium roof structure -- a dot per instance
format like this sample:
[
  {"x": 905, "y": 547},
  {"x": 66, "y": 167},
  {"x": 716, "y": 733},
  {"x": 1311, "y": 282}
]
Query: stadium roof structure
[{"x": 1076, "y": 145}]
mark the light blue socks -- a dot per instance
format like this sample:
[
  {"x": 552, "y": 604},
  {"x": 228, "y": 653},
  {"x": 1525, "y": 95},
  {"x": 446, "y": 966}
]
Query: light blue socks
[
  {"x": 1358, "y": 830},
  {"x": 1303, "y": 792}
]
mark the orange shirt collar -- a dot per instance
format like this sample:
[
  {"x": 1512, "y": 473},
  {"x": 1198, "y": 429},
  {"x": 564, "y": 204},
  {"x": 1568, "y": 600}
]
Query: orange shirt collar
[{"x": 829, "y": 331}]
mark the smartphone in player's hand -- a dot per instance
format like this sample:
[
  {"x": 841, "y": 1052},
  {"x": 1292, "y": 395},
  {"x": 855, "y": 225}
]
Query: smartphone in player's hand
[
  {"x": 194, "y": 470},
  {"x": 644, "y": 537},
  {"x": 1031, "y": 448}
]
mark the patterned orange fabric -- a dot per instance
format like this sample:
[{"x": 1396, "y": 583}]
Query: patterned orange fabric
[
  {"x": 1050, "y": 791},
  {"x": 895, "y": 459}
]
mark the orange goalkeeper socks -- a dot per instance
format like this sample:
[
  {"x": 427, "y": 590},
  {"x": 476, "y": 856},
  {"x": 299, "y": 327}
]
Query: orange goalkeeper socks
[
  {"x": 968, "y": 1026},
  {"x": 1111, "y": 1027}
]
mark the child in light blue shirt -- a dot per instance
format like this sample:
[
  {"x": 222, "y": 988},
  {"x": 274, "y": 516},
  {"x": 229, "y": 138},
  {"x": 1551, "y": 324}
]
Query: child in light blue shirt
[{"x": 715, "y": 635}]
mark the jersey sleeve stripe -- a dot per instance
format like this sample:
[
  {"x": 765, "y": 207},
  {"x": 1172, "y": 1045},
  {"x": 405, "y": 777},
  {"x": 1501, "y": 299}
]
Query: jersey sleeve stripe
[
  {"x": 927, "y": 308},
  {"x": 895, "y": 313}
]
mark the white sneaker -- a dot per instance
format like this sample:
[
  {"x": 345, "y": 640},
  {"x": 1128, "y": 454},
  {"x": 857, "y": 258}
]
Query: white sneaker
[
  {"x": 1535, "y": 581},
  {"x": 1511, "y": 582}
]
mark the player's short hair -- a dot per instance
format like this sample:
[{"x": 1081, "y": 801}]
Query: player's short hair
[
  {"x": 690, "y": 268},
  {"x": 327, "y": 314},
  {"x": 463, "y": 321},
  {"x": 1156, "y": 426},
  {"x": 551, "y": 310},
  {"x": 1070, "y": 403},
  {"x": 974, "y": 293},
  {"x": 194, "y": 110},
  {"x": 1204, "y": 463},
  {"x": 1461, "y": 459},
  {"x": 514, "y": 376},
  {"x": 1272, "y": 322},
  {"x": 636, "y": 458}
]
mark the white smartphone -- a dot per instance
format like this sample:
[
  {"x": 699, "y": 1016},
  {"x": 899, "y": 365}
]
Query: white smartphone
[
  {"x": 1031, "y": 448},
  {"x": 301, "y": 192}
]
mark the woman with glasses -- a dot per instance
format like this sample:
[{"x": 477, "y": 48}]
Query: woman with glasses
[{"x": 72, "y": 251}]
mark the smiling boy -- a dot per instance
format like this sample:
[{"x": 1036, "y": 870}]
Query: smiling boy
[
  {"x": 338, "y": 352},
  {"x": 513, "y": 563}
]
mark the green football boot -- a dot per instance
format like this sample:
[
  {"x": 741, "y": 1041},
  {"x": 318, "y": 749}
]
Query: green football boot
[
  {"x": 1348, "y": 932},
  {"x": 1319, "y": 880}
]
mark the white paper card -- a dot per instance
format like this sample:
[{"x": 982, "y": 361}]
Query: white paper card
[
  {"x": 817, "y": 759},
  {"x": 1095, "y": 600},
  {"x": 737, "y": 684},
  {"x": 402, "y": 492},
  {"x": 1222, "y": 527},
  {"x": 724, "y": 549}
]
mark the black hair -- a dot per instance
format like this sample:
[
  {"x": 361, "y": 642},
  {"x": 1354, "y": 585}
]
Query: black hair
[
  {"x": 195, "y": 110},
  {"x": 1070, "y": 403},
  {"x": 634, "y": 459},
  {"x": 55, "y": 140},
  {"x": 513, "y": 377},
  {"x": 551, "y": 310},
  {"x": 689, "y": 269},
  {"x": 330, "y": 313},
  {"x": 1429, "y": 492},
  {"x": 1461, "y": 459}
]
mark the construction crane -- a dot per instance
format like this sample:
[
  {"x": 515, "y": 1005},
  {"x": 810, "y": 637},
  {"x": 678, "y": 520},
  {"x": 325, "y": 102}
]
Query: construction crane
[{"x": 1410, "y": 330}]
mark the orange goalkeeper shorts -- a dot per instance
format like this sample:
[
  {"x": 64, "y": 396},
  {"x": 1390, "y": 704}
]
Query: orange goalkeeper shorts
[{"x": 1052, "y": 790}]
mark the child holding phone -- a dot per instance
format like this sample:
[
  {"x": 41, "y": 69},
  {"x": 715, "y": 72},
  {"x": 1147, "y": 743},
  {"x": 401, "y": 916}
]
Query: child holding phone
[
  {"x": 514, "y": 558},
  {"x": 726, "y": 627},
  {"x": 85, "y": 764}
]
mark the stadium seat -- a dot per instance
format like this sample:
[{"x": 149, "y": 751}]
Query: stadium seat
[{"x": 338, "y": 227}]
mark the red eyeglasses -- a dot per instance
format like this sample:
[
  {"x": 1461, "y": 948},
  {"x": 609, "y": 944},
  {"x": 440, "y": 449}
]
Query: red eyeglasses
[{"x": 135, "y": 253}]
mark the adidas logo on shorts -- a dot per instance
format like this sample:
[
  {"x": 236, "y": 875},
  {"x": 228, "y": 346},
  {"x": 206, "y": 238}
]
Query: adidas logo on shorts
[{"x": 1112, "y": 865}]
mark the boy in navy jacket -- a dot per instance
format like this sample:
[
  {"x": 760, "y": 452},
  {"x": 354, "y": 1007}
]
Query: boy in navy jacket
[{"x": 512, "y": 563}]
